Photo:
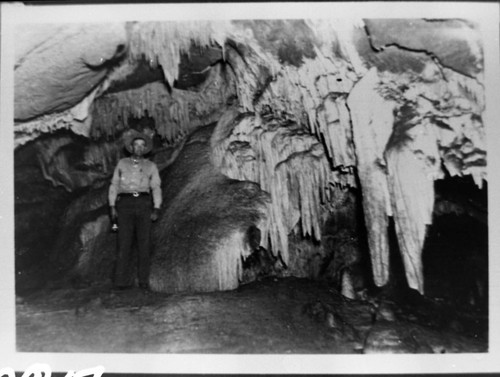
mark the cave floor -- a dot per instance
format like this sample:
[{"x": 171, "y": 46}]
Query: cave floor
[{"x": 271, "y": 316}]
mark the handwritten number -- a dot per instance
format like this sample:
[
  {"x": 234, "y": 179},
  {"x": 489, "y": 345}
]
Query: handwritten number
[
  {"x": 9, "y": 372},
  {"x": 38, "y": 370},
  {"x": 96, "y": 372},
  {"x": 44, "y": 370}
]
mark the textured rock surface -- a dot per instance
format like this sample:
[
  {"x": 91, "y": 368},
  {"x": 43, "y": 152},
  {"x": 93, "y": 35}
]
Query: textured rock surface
[
  {"x": 201, "y": 238},
  {"x": 384, "y": 106},
  {"x": 58, "y": 65},
  {"x": 274, "y": 316},
  {"x": 453, "y": 42}
]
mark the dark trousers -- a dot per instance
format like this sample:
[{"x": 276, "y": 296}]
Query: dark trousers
[{"x": 134, "y": 222}]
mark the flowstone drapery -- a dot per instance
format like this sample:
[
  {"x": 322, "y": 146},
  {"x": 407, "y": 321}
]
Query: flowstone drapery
[
  {"x": 201, "y": 238},
  {"x": 320, "y": 106},
  {"x": 289, "y": 163}
]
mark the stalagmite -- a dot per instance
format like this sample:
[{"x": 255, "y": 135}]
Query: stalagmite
[
  {"x": 372, "y": 119},
  {"x": 347, "y": 288}
]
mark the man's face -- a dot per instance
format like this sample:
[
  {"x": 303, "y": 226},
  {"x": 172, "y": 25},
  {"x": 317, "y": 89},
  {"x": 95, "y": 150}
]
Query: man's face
[{"x": 139, "y": 147}]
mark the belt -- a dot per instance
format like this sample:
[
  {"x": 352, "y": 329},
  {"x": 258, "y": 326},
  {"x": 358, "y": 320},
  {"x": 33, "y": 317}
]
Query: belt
[{"x": 135, "y": 194}]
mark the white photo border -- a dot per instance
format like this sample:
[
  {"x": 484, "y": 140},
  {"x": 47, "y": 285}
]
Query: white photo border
[{"x": 486, "y": 14}]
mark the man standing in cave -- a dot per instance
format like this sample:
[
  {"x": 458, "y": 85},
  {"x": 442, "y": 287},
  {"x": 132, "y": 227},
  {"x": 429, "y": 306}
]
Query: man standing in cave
[{"x": 135, "y": 181}]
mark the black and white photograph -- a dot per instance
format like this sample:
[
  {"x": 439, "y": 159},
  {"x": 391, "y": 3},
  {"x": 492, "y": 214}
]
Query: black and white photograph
[{"x": 229, "y": 186}]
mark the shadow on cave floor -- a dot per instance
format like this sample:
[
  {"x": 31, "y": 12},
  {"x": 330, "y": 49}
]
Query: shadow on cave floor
[{"x": 280, "y": 316}]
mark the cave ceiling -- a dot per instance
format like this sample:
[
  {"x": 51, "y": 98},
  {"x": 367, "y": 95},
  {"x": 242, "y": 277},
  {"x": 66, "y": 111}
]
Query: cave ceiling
[
  {"x": 57, "y": 66},
  {"x": 390, "y": 99}
]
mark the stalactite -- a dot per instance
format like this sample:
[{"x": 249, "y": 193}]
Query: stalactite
[
  {"x": 454, "y": 103},
  {"x": 412, "y": 169},
  {"x": 305, "y": 187},
  {"x": 337, "y": 34},
  {"x": 288, "y": 162},
  {"x": 311, "y": 94},
  {"x": 162, "y": 43},
  {"x": 334, "y": 123},
  {"x": 112, "y": 111},
  {"x": 175, "y": 114},
  {"x": 447, "y": 106},
  {"x": 308, "y": 85},
  {"x": 372, "y": 119},
  {"x": 314, "y": 94}
]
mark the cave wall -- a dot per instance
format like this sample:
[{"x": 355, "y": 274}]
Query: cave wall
[
  {"x": 37, "y": 207},
  {"x": 62, "y": 221},
  {"x": 371, "y": 105}
]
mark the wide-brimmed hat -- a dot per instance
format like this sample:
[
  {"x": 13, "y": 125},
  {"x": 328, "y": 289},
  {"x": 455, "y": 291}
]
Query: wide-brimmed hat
[{"x": 130, "y": 135}]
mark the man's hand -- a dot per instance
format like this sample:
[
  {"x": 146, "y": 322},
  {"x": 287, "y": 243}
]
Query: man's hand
[
  {"x": 114, "y": 214},
  {"x": 155, "y": 214}
]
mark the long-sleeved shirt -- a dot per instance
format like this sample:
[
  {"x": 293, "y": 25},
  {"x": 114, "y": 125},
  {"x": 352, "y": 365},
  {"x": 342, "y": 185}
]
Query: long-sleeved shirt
[{"x": 141, "y": 177}]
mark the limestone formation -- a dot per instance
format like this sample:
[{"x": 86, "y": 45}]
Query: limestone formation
[
  {"x": 201, "y": 239},
  {"x": 301, "y": 113}
]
